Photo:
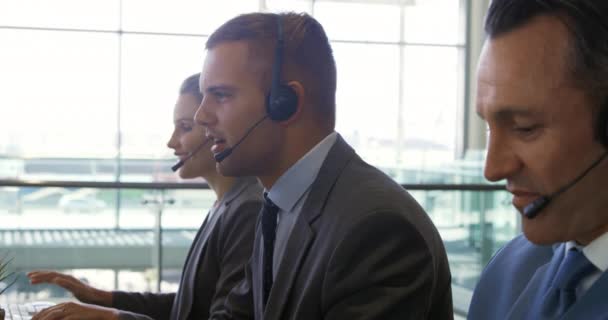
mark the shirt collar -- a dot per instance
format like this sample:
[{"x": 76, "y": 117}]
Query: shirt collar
[
  {"x": 292, "y": 185},
  {"x": 595, "y": 251}
]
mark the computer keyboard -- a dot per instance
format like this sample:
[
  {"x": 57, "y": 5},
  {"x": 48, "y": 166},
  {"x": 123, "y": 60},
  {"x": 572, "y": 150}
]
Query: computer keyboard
[{"x": 24, "y": 311}]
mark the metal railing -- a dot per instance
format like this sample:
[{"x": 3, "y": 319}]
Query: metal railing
[{"x": 178, "y": 185}]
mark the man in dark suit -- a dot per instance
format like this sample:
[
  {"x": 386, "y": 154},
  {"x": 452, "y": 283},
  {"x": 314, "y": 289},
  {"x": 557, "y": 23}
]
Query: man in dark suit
[
  {"x": 543, "y": 91},
  {"x": 337, "y": 238}
]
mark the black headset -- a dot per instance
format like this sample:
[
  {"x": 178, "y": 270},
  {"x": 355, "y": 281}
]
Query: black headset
[
  {"x": 592, "y": 17},
  {"x": 282, "y": 100},
  {"x": 602, "y": 125}
]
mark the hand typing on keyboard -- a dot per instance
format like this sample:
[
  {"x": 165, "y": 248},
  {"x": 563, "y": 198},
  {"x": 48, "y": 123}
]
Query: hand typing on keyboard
[
  {"x": 25, "y": 311},
  {"x": 82, "y": 291},
  {"x": 76, "y": 310}
]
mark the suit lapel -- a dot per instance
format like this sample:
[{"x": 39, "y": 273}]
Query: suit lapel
[
  {"x": 303, "y": 234},
  {"x": 239, "y": 187},
  {"x": 186, "y": 291},
  {"x": 183, "y": 298},
  {"x": 257, "y": 272},
  {"x": 526, "y": 299},
  {"x": 532, "y": 296},
  {"x": 215, "y": 216},
  {"x": 190, "y": 270},
  {"x": 289, "y": 268}
]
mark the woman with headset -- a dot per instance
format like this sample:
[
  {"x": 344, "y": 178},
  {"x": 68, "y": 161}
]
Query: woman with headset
[{"x": 215, "y": 261}]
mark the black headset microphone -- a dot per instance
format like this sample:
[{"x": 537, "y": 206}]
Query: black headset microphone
[
  {"x": 181, "y": 162},
  {"x": 534, "y": 208},
  {"x": 281, "y": 101},
  {"x": 220, "y": 156}
]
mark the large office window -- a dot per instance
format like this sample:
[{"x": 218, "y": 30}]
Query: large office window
[{"x": 89, "y": 85}]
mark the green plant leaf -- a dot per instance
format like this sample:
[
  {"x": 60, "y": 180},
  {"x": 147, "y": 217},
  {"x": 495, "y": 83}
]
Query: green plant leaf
[
  {"x": 10, "y": 284},
  {"x": 4, "y": 266},
  {"x": 4, "y": 272},
  {"x": 6, "y": 276}
]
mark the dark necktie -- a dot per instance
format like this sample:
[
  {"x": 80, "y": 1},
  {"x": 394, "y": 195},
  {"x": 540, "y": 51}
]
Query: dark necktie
[
  {"x": 561, "y": 294},
  {"x": 269, "y": 232}
]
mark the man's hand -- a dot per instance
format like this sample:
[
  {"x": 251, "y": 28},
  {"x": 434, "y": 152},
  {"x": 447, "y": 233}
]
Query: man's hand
[
  {"x": 76, "y": 311},
  {"x": 79, "y": 289}
]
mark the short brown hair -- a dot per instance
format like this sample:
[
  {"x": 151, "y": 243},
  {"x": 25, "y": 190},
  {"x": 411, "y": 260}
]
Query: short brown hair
[{"x": 308, "y": 57}]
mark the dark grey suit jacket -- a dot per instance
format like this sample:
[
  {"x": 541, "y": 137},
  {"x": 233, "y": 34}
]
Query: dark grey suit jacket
[
  {"x": 361, "y": 248},
  {"x": 218, "y": 254}
]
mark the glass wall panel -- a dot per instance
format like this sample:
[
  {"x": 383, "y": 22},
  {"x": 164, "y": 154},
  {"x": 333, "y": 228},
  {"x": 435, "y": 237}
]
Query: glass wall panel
[
  {"x": 413, "y": 90},
  {"x": 58, "y": 208},
  {"x": 360, "y": 21},
  {"x": 288, "y": 5},
  {"x": 72, "y": 14},
  {"x": 432, "y": 92},
  {"x": 368, "y": 92},
  {"x": 59, "y": 100},
  {"x": 474, "y": 226},
  {"x": 181, "y": 16},
  {"x": 435, "y": 21}
]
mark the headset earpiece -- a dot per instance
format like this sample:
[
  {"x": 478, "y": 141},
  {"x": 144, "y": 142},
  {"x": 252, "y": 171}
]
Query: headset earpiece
[
  {"x": 282, "y": 103},
  {"x": 282, "y": 100},
  {"x": 602, "y": 124}
]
